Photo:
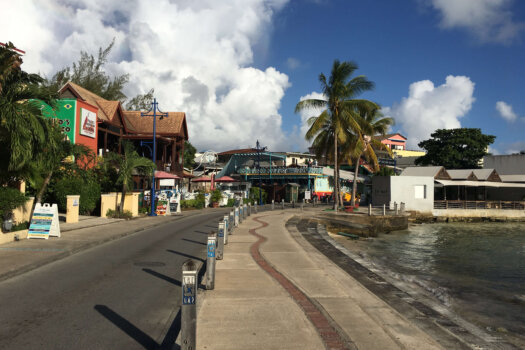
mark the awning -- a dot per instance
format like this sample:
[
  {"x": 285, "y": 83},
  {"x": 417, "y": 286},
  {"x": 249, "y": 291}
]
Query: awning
[
  {"x": 226, "y": 179},
  {"x": 479, "y": 184},
  {"x": 164, "y": 175}
]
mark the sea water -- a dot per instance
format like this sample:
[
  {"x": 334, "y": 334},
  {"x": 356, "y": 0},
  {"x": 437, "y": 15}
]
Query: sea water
[{"x": 476, "y": 269}]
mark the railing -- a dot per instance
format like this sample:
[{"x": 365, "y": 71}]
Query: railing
[
  {"x": 446, "y": 204},
  {"x": 281, "y": 170}
]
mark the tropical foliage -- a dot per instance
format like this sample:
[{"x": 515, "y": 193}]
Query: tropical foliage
[
  {"x": 340, "y": 122},
  {"x": 461, "y": 148},
  {"x": 129, "y": 163}
]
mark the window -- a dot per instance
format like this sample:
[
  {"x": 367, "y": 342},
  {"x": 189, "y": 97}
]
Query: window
[{"x": 420, "y": 191}]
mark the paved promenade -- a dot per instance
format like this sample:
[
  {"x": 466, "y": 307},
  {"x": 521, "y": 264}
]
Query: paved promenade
[{"x": 273, "y": 290}]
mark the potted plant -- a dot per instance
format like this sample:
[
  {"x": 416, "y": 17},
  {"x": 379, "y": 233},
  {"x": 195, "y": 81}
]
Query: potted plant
[
  {"x": 215, "y": 198},
  {"x": 10, "y": 198}
]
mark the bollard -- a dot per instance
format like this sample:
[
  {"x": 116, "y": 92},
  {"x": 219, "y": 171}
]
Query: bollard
[
  {"x": 244, "y": 212},
  {"x": 282, "y": 204},
  {"x": 302, "y": 204},
  {"x": 395, "y": 208},
  {"x": 240, "y": 213},
  {"x": 402, "y": 207},
  {"x": 232, "y": 221},
  {"x": 293, "y": 203},
  {"x": 384, "y": 209},
  {"x": 188, "y": 321},
  {"x": 273, "y": 204},
  {"x": 236, "y": 217},
  {"x": 255, "y": 207},
  {"x": 219, "y": 251},
  {"x": 369, "y": 209},
  {"x": 210, "y": 262},
  {"x": 226, "y": 228},
  {"x": 249, "y": 209}
]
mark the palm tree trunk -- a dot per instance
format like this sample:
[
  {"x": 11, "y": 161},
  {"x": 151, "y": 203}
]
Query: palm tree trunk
[
  {"x": 336, "y": 176},
  {"x": 354, "y": 184},
  {"x": 40, "y": 193},
  {"x": 121, "y": 208}
]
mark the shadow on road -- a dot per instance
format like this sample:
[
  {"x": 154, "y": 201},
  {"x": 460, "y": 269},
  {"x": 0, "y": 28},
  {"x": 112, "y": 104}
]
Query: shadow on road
[
  {"x": 184, "y": 254},
  {"x": 139, "y": 336},
  {"x": 163, "y": 277},
  {"x": 191, "y": 240}
]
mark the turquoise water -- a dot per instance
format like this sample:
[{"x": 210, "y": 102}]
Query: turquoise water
[{"x": 476, "y": 269}]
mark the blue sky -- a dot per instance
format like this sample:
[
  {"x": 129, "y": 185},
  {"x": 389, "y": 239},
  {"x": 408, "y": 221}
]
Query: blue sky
[{"x": 238, "y": 67}]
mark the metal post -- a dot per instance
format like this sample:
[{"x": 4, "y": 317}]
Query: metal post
[
  {"x": 255, "y": 207},
  {"x": 282, "y": 204},
  {"x": 249, "y": 209},
  {"x": 293, "y": 203},
  {"x": 369, "y": 209},
  {"x": 236, "y": 217},
  {"x": 244, "y": 212},
  {"x": 210, "y": 262},
  {"x": 220, "y": 241},
  {"x": 240, "y": 213},
  {"x": 384, "y": 209},
  {"x": 232, "y": 221},
  {"x": 402, "y": 207},
  {"x": 188, "y": 323},
  {"x": 226, "y": 228},
  {"x": 273, "y": 204},
  {"x": 395, "y": 208}
]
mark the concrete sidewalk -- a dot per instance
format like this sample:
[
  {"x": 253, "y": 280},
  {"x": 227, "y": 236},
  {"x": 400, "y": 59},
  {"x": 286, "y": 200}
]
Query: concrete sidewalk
[
  {"x": 250, "y": 309},
  {"x": 27, "y": 254}
]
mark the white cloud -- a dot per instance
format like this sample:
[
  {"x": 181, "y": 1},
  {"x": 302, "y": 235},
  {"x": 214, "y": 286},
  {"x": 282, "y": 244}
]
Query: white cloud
[
  {"x": 428, "y": 107},
  {"x": 293, "y": 63},
  {"x": 515, "y": 147},
  {"x": 197, "y": 55},
  {"x": 306, "y": 114},
  {"x": 488, "y": 20},
  {"x": 506, "y": 112}
]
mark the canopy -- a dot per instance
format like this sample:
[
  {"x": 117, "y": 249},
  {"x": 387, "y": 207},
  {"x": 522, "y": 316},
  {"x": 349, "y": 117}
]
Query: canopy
[
  {"x": 225, "y": 179},
  {"x": 202, "y": 179},
  {"x": 165, "y": 175}
]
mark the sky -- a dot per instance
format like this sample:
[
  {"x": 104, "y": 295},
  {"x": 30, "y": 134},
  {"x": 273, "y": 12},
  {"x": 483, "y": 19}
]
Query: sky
[{"x": 239, "y": 67}]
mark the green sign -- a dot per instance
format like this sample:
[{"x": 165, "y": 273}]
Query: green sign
[{"x": 65, "y": 114}]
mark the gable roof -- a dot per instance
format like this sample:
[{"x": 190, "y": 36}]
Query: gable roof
[
  {"x": 387, "y": 136},
  {"x": 487, "y": 175},
  {"x": 437, "y": 172},
  {"x": 173, "y": 125},
  {"x": 462, "y": 174}
]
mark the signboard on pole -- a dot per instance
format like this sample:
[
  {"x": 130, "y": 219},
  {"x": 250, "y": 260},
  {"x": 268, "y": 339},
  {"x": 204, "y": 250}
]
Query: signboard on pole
[{"x": 44, "y": 222}]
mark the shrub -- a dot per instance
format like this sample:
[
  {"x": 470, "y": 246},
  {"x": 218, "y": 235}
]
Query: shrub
[
  {"x": 115, "y": 214},
  {"x": 10, "y": 198},
  {"x": 88, "y": 190},
  {"x": 231, "y": 202},
  {"x": 20, "y": 226},
  {"x": 200, "y": 201},
  {"x": 254, "y": 194},
  {"x": 144, "y": 210},
  {"x": 216, "y": 196}
]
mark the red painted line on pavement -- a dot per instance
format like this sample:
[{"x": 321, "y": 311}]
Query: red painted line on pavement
[{"x": 327, "y": 332}]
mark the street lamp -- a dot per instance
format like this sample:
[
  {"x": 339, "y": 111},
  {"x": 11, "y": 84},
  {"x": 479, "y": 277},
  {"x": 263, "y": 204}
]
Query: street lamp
[
  {"x": 259, "y": 149},
  {"x": 156, "y": 113}
]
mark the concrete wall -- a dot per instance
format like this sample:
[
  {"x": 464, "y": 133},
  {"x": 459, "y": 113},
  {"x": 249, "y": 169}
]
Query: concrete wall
[
  {"x": 479, "y": 213},
  {"x": 21, "y": 214},
  {"x": 10, "y": 236},
  {"x": 112, "y": 201},
  {"x": 512, "y": 164},
  {"x": 390, "y": 189}
]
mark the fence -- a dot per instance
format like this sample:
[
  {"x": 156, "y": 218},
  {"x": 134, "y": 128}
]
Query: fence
[{"x": 509, "y": 205}]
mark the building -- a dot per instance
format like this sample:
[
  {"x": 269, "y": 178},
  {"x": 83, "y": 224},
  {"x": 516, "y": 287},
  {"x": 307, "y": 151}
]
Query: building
[{"x": 511, "y": 164}]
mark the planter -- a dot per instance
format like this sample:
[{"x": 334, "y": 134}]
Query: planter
[{"x": 7, "y": 225}]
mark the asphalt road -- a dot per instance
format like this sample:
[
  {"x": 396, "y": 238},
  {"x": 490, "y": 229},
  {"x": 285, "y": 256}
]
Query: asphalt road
[{"x": 124, "y": 294}]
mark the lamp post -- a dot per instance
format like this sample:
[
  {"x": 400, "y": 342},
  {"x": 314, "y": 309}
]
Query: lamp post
[
  {"x": 259, "y": 149},
  {"x": 156, "y": 113}
]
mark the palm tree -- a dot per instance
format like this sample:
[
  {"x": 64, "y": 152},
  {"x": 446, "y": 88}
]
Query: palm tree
[
  {"x": 372, "y": 122},
  {"x": 127, "y": 164},
  {"x": 340, "y": 111},
  {"x": 23, "y": 130}
]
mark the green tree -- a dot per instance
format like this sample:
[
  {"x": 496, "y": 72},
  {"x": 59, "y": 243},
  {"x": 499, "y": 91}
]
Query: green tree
[
  {"x": 127, "y": 164},
  {"x": 461, "y": 148},
  {"x": 23, "y": 130},
  {"x": 189, "y": 155},
  {"x": 340, "y": 112},
  {"x": 372, "y": 123},
  {"x": 141, "y": 102},
  {"x": 89, "y": 73}
]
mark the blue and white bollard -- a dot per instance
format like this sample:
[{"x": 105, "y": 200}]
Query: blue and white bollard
[
  {"x": 226, "y": 228},
  {"x": 210, "y": 262},
  {"x": 236, "y": 217},
  {"x": 188, "y": 307},
  {"x": 220, "y": 242}
]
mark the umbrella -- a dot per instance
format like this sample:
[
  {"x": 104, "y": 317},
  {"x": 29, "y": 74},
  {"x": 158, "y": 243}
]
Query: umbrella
[{"x": 225, "y": 179}]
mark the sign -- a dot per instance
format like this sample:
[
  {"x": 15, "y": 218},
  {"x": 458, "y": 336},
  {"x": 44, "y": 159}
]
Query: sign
[
  {"x": 65, "y": 114},
  {"x": 211, "y": 248},
  {"x": 386, "y": 161},
  {"x": 307, "y": 195},
  {"x": 162, "y": 208},
  {"x": 88, "y": 123},
  {"x": 188, "y": 287},
  {"x": 44, "y": 222},
  {"x": 167, "y": 182},
  {"x": 75, "y": 202},
  {"x": 173, "y": 207}
]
